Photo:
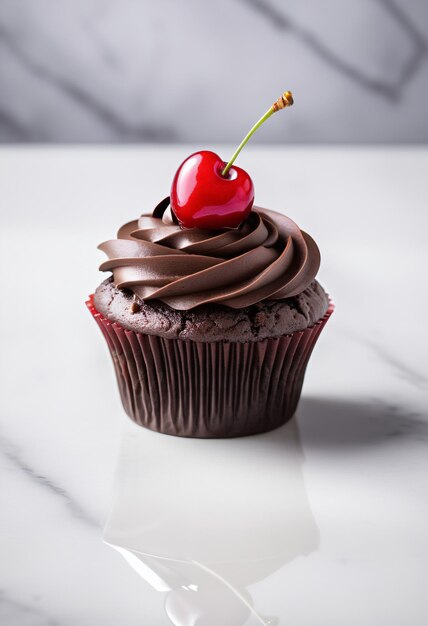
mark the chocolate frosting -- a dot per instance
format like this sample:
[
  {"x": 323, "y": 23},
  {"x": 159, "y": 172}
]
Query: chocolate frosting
[{"x": 267, "y": 258}]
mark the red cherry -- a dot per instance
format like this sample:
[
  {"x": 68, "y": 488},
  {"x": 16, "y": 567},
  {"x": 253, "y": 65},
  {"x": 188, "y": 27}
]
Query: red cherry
[{"x": 201, "y": 197}]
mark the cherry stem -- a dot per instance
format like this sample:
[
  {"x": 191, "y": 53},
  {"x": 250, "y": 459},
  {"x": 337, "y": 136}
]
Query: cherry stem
[
  {"x": 284, "y": 101},
  {"x": 244, "y": 141}
]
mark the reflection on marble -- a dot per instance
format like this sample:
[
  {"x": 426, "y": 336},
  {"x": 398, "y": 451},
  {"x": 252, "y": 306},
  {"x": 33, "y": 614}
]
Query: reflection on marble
[
  {"x": 220, "y": 526},
  {"x": 121, "y": 71},
  {"x": 203, "y": 520}
]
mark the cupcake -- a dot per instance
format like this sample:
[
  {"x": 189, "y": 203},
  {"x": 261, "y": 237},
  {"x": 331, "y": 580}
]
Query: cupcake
[{"x": 212, "y": 307}]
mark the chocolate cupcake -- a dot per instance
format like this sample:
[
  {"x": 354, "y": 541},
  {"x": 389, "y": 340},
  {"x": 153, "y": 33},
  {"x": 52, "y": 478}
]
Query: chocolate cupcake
[
  {"x": 212, "y": 310},
  {"x": 210, "y": 331}
]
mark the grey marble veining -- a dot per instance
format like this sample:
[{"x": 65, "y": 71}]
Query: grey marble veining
[
  {"x": 124, "y": 71},
  {"x": 13, "y": 611},
  {"x": 389, "y": 84},
  {"x": 405, "y": 371},
  {"x": 387, "y": 354},
  {"x": 14, "y": 456}
]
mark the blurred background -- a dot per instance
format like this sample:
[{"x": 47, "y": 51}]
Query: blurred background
[{"x": 123, "y": 71}]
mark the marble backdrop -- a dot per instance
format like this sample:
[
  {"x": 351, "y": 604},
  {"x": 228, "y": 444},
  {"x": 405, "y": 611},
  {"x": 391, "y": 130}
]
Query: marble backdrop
[{"x": 170, "y": 71}]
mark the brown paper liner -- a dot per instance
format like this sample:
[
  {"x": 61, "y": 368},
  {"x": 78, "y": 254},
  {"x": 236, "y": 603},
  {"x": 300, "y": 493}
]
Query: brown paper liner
[{"x": 220, "y": 389}]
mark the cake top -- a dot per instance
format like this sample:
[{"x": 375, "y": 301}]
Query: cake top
[{"x": 267, "y": 257}]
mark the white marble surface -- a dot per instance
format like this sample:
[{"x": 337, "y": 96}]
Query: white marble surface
[{"x": 321, "y": 522}]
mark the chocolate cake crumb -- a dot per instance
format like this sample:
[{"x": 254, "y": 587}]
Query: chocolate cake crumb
[{"x": 213, "y": 322}]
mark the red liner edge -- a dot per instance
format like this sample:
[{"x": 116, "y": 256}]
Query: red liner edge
[{"x": 220, "y": 389}]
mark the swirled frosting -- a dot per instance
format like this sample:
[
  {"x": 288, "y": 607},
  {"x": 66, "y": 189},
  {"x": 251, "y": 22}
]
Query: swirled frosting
[{"x": 267, "y": 258}]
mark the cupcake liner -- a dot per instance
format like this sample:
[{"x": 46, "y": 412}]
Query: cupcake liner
[{"x": 197, "y": 389}]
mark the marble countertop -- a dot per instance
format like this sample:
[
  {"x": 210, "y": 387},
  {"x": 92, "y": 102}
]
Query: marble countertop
[{"x": 323, "y": 521}]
